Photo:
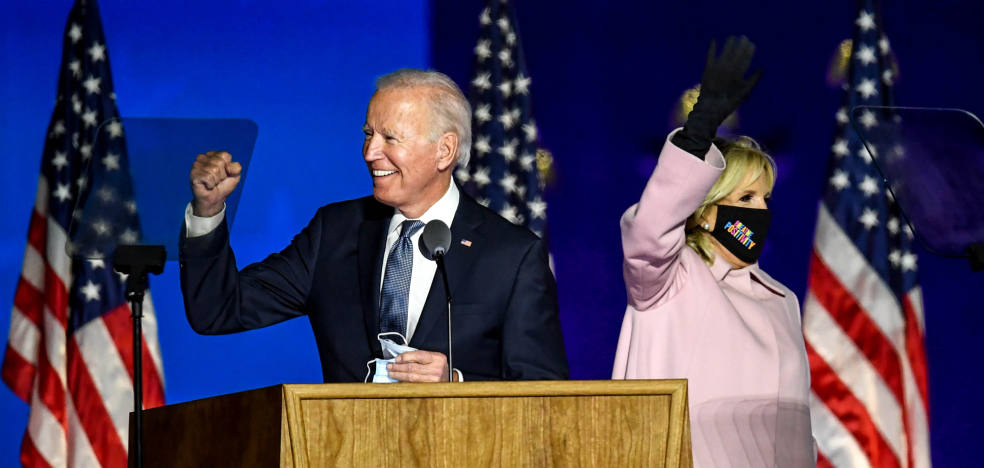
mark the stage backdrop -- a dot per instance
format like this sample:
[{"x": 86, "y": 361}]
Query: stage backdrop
[{"x": 605, "y": 80}]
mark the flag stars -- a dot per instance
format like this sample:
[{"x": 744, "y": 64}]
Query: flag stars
[
  {"x": 868, "y": 119},
  {"x": 505, "y": 88},
  {"x": 503, "y": 24},
  {"x": 510, "y": 213},
  {"x": 484, "y": 49},
  {"x": 530, "y": 130},
  {"x": 462, "y": 175},
  {"x": 130, "y": 206},
  {"x": 75, "y": 66},
  {"x": 482, "y": 81},
  {"x": 106, "y": 194},
  {"x": 839, "y": 180},
  {"x": 76, "y": 104},
  {"x": 97, "y": 52},
  {"x": 867, "y": 88},
  {"x": 526, "y": 161},
  {"x": 538, "y": 208},
  {"x": 75, "y": 33},
  {"x": 508, "y": 119},
  {"x": 511, "y": 39},
  {"x": 508, "y": 150},
  {"x": 123, "y": 276},
  {"x": 101, "y": 228},
  {"x": 483, "y": 113},
  {"x": 888, "y": 77},
  {"x": 883, "y": 45},
  {"x": 865, "y": 21},
  {"x": 508, "y": 183},
  {"x": 895, "y": 258},
  {"x": 91, "y": 84},
  {"x": 898, "y": 151},
  {"x": 89, "y": 117},
  {"x": 522, "y": 84},
  {"x": 505, "y": 57},
  {"x": 868, "y": 218},
  {"x": 111, "y": 161},
  {"x": 60, "y": 160},
  {"x": 485, "y": 18},
  {"x": 82, "y": 182},
  {"x": 482, "y": 145},
  {"x": 484, "y": 201},
  {"x": 864, "y": 155},
  {"x": 866, "y": 55},
  {"x": 90, "y": 291},
  {"x": 115, "y": 129},
  {"x": 96, "y": 263},
  {"x": 842, "y": 116},
  {"x": 840, "y": 148},
  {"x": 129, "y": 236},
  {"x": 908, "y": 261},
  {"x": 58, "y": 129},
  {"x": 869, "y": 186},
  {"x": 892, "y": 225},
  {"x": 482, "y": 177},
  {"x": 908, "y": 231},
  {"x": 61, "y": 193}
]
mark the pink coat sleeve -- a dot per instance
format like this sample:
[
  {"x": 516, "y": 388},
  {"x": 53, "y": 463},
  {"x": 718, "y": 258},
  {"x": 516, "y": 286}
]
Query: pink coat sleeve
[{"x": 653, "y": 229}]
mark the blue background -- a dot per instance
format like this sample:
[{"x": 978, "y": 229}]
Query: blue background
[{"x": 606, "y": 77}]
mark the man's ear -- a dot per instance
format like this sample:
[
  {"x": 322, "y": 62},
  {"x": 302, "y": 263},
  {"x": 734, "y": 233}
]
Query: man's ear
[{"x": 447, "y": 151}]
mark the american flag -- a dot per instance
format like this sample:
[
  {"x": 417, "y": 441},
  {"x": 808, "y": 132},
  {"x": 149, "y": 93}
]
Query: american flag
[
  {"x": 503, "y": 172},
  {"x": 69, "y": 352},
  {"x": 863, "y": 314}
]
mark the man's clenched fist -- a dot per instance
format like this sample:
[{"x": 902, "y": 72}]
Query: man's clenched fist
[{"x": 214, "y": 175}]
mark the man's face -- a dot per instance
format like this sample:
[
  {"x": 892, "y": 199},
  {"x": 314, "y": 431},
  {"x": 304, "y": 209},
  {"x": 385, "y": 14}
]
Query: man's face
[{"x": 408, "y": 172}]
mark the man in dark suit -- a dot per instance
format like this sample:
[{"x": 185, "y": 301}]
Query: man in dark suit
[{"x": 356, "y": 270}]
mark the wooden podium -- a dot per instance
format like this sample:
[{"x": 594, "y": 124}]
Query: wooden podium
[{"x": 540, "y": 424}]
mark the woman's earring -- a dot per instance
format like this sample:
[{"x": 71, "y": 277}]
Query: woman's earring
[{"x": 707, "y": 227}]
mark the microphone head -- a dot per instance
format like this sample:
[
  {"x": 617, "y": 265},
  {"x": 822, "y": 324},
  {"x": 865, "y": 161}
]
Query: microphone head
[{"x": 435, "y": 240}]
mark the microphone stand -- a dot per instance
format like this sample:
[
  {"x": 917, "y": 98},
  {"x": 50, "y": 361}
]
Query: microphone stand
[
  {"x": 447, "y": 293},
  {"x": 138, "y": 261}
]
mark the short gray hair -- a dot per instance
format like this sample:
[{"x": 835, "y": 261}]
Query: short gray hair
[{"x": 450, "y": 109}]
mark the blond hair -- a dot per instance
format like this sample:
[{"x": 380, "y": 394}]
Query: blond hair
[{"x": 744, "y": 160}]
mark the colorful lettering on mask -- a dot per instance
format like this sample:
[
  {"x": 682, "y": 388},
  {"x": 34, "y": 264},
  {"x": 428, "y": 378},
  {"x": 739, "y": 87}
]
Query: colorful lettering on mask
[{"x": 741, "y": 233}]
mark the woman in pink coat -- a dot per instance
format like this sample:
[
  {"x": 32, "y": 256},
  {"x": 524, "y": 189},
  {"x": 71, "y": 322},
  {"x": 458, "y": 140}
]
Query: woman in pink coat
[{"x": 700, "y": 308}]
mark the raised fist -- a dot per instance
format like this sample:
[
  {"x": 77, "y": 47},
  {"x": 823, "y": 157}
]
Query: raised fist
[{"x": 214, "y": 175}]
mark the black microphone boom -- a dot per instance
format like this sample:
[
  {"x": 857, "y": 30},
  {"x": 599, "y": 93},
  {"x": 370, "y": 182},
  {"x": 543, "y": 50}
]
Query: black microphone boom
[{"x": 434, "y": 244}]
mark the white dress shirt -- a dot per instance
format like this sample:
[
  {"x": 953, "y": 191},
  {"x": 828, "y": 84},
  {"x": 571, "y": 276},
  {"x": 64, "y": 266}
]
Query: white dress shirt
[
  {"x": 423, "y": 271},
  {"x": 422, "y": 274}
]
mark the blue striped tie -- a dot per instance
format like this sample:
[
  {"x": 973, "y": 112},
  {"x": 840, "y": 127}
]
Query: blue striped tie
[{"x": 396, "y": 282}]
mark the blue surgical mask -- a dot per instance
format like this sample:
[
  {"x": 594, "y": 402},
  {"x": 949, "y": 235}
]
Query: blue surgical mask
[{"x": 391, "y": 349}]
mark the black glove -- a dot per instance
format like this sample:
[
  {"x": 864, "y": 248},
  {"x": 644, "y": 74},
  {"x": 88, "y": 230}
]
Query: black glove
[{"x": 722, "y": 90}]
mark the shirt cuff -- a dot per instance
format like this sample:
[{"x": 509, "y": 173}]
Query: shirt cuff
[
  {"x": 461, "y": 377},
  {"x": 197, "y": 226}
]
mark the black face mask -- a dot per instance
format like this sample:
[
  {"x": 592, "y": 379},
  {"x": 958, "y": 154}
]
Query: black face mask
[{"x": 742, "y": 230}]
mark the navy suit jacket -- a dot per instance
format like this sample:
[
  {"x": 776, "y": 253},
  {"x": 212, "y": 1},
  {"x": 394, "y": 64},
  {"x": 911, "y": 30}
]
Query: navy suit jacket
[{"x": 504, "y": 309}]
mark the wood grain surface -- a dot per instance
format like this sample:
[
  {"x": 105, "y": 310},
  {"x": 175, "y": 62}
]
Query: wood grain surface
[{"x": 496, "y": 424}]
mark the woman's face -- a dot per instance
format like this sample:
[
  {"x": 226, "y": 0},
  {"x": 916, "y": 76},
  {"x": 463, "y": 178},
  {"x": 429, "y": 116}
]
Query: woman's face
[{"x": 748, "y": 194}]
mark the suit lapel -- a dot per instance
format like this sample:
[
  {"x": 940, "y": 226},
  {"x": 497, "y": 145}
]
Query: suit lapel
[
  {"x": 372, "y": 241},
  {"x": 467, "y": 219}
]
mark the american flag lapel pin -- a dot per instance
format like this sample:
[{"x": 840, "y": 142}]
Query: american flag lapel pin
[{"x": 466, "y": 242}]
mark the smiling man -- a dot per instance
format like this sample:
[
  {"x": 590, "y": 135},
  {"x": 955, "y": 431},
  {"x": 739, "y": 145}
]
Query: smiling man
[{"x": 356, "y": 271}]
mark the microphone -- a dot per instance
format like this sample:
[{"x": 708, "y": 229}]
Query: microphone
[
  {"x": 434, "y": 244},
  {"x": 435, "y": 240}
]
